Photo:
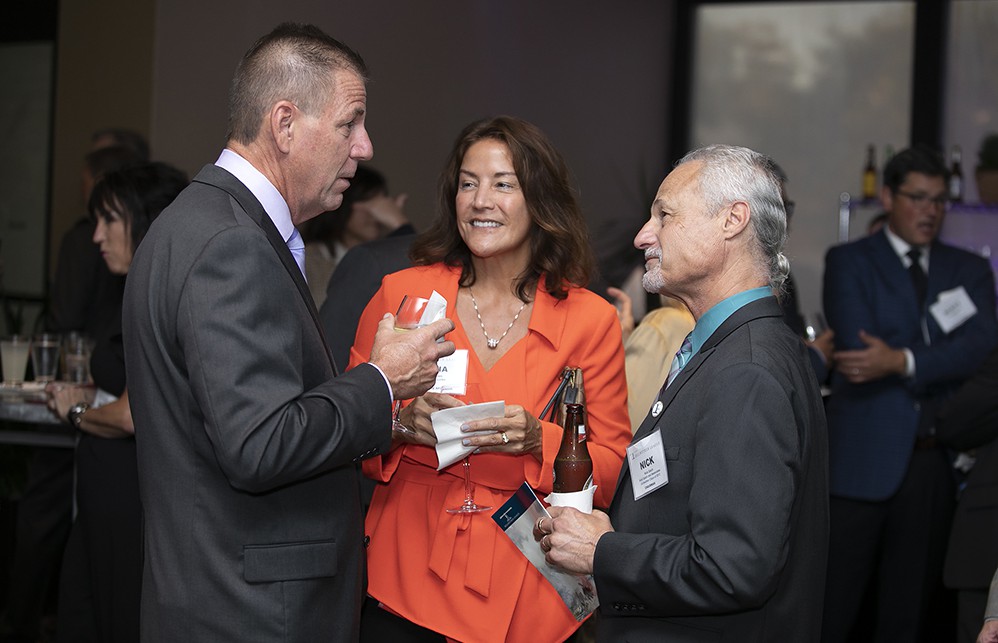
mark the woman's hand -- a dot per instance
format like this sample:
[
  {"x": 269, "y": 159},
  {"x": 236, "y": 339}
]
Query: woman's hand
[
  {"x": 517, "y": 432},
  {"x": 62, "y": 396},
  {"x": 416, "y": 416}
]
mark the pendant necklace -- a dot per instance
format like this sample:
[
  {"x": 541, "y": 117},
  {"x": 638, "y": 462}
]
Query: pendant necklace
[{"x": 493, "y": 343}]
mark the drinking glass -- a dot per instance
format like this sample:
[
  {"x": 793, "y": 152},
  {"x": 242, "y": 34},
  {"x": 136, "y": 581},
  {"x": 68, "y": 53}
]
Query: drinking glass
[
  {"x": 814, "y": 325},
  {"x": 14, "y": 351},
  {"x": 468, "y": 505},
  {"x": 76, "y": 354},
  {"x": 407, "y": 318},
  {"x": 45, "y": 357}
]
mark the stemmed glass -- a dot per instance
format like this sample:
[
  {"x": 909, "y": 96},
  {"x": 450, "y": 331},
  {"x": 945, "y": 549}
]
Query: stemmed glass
[
  {"x": 406, "y": 318},
  {"x": 468, "y": 505}
]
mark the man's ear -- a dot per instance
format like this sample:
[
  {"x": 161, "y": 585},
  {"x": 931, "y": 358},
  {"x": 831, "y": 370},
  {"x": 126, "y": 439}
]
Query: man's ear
[
  {"x": 736, "y": 219},
  {"x": 282, "y": 119}
]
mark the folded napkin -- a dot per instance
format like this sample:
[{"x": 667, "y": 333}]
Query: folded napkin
[{"x": 447, "y": 426}]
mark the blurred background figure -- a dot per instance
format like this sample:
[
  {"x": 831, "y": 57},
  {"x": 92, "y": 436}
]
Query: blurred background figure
[
  {"x": 101, "y": 572},
  {"x": 367, "y": 213}
]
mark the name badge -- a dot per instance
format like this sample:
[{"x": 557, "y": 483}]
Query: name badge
[
  {"x": 952, "y": 308},
  {"x": 646, "y": 462},
  {"x": 452, "y": 379}
]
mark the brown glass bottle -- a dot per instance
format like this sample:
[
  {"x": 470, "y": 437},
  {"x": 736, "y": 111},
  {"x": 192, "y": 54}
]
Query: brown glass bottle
[
  {"x": 870, "y": 174},
  {"x": 955, "y": 176},
  {"x": 572, "y": 466}
]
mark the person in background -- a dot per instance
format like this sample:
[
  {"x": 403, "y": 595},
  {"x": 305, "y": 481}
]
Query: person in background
[
  {"x": 368, "y": 213},
  {"x": 248, "y": 440},
  {"x": 717, "y": 530},
  {"x": 84, "y": 297},
  {"x": 898, "y": 356},
  {"x": 101, "y": 571},
  {"x": 507, "y": 251},
  {"x": 989, "y": 633},
  {"x": 968, "y": 423}
]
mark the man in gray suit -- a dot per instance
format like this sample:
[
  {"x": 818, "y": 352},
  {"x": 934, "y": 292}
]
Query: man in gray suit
[
  {"x": 248, "y": 441},
  {"x": 718, "y": 529}
]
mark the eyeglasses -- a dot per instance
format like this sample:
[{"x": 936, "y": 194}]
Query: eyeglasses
[{"x": 920, "y": 200}]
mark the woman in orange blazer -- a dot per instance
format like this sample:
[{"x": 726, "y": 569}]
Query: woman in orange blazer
[{"x": 506, "y": 252}]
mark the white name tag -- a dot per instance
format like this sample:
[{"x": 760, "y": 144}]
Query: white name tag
[
  {"x": 952, "y": 308},
  {"x": 453, "y": 376},
  {"x": 646, "y": 460}
]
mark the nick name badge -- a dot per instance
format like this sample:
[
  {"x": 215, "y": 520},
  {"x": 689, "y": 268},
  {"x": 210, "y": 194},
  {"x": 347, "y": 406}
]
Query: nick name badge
[
  {"x": 452, "y": 377},
  {"x": 646, "y": 462},
  {"x": 952, "y": 308}
]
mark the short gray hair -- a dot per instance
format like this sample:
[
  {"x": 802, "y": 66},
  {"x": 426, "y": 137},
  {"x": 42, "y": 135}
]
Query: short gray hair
[
  {"x": 293, "y": 62},
  {"x": 732, "y": 174}
]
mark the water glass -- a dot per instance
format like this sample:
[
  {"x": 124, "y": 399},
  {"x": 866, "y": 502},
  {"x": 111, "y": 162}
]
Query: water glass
[
  {"x": 45, "y": 356},
  {"x": 76, "y": 353},
  {"x": 14, "y": 351}
]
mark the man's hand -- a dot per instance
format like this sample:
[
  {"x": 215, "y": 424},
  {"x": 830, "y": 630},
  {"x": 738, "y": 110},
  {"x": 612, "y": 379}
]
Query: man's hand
[
  {"x": 876, "y": 361},
  {"x": 989, "y": 633},
  {"x": 409, "y": 359},
  {"x": 568, "y": 538}
]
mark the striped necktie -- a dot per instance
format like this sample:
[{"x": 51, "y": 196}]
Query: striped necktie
[
  {"x": 680, "y": 360},
  {"x": 297, "y": 248}
]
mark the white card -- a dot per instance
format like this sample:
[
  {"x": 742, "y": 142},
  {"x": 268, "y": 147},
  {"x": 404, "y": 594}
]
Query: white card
[
  {"x": 952, "y": 308},
  {"x": 646, "y": 460},
  {"x": 452, "y": 379}
]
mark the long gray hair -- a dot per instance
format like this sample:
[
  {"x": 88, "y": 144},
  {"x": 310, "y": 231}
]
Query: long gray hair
[{"x": 730, "y": 174}]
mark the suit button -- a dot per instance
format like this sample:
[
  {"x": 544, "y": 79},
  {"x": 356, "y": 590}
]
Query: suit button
[{"x": 367, "y": 540}]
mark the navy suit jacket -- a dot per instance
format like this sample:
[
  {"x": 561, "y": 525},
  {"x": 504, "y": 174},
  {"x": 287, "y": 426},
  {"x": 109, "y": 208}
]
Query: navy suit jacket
[
  {"x": 734, "y": 547},
  {"x": 872, "y": 426}
]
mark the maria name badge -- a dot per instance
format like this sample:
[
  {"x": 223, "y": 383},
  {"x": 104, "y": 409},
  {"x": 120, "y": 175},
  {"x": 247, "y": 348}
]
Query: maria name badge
[
  {"x": 452, "y": 378},
  {"x": 953, "y": 308},
  {"x": 646, "y": 460}
]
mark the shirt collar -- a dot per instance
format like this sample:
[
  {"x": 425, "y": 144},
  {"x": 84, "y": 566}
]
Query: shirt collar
[
  {"x": 901, "y": 248},
  {"x": 261, "y": 187},
  {"x": 719, "y": 312}
]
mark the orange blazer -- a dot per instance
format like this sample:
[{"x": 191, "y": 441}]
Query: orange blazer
[{"x": 458, "y": 574}]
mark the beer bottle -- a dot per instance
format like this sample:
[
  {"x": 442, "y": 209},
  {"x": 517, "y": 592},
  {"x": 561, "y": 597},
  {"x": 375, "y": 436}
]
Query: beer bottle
[
  {"x": 955, "y": 176},
  {"x": 573, "y": 468},
  {"x": 870, "y": 174}
]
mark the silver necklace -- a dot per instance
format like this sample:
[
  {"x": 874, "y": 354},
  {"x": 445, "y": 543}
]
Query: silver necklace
[{"x": 493, "y": 343}]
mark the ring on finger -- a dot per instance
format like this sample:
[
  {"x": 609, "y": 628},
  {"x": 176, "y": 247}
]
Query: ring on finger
[
  {"x": 537, "y": 525},
  {"x": 505, "y": 438}
]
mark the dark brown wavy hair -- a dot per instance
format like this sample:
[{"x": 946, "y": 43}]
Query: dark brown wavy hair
[{"x": 559, "y": 239}]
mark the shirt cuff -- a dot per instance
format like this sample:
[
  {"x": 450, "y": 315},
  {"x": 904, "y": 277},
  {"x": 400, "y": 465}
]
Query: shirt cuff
[
  {"x": 387, "y": 383},
  {"x": 909, "y": 363}
]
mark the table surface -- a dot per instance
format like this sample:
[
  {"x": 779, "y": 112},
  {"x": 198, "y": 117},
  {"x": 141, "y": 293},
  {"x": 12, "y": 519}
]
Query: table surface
[{"x": 36, "y": 424}]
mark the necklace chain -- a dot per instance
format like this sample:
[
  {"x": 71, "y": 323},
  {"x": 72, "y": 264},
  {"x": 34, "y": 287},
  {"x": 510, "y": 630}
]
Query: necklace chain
[{"x": 493, "y": 343}]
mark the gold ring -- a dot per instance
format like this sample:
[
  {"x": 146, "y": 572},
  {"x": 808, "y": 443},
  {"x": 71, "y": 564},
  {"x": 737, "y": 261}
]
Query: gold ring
[
  {"x": 505, "y": 438},
  {"x": 537, "y": 525}
]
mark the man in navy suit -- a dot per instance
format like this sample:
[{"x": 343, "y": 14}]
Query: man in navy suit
[{"x": 913, "y": 317}]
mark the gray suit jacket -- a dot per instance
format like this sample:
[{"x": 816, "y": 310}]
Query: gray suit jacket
[
  {"x": 247, "y": 444},
  {"x": 734, "y": 547}
]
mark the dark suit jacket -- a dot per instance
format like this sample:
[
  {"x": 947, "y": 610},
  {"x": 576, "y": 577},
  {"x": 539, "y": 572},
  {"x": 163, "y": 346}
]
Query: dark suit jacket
[
  {"x": 734, "y": 547},
  {"x": 970, "y": 421},
  {"x": 247, "y": 445},
  {"x": 354, "y": 281},
  {"x": 872, "y": 426}
]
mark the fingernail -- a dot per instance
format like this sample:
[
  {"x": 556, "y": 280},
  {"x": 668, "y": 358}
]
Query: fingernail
[
  {"x": 464, "y": 427},
  {"x": 466, "y": 443}
]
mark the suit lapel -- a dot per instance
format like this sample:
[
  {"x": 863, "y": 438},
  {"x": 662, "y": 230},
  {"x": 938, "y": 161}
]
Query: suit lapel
[
  {"x": 220, "y": 178},
  {"x": 766, "y": 307}
]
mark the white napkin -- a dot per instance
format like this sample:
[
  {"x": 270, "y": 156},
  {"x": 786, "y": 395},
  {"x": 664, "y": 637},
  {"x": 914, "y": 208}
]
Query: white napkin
[
  {"x": 447, "y": 426},
  {"x": 581, "y": 500},
  {"x": 436, "y": 308}
]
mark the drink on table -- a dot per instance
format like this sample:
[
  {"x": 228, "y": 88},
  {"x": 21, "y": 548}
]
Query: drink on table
[
  {"x": 45, "y": 357},
  {"x": 14, "y": 351},
  {"x": 573, "y": 468}
]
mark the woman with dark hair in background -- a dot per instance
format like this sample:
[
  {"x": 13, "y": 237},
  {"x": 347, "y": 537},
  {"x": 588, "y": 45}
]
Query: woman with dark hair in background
[
  {"x": 509, "y": 251},
  {"x": 367, "y": 213},
  {"x": 102, "y": 566}
]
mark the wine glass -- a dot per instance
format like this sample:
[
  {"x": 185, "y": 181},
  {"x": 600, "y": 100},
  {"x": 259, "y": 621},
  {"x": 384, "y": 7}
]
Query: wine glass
[
  {"x": 468, "y": 505},
  {"x": 406, "y": 318}
]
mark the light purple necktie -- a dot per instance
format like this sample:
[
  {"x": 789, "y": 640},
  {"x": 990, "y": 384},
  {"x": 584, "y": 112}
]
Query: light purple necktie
[
  {"x": 297, "y": 248},
  {"x": 680, "y": 360}
]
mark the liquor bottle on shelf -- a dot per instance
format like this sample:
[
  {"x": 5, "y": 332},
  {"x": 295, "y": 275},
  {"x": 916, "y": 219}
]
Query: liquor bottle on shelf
[
  {"x": 955, "y": 175},
  {"x": 573, "y": 467},
  {"x": 870, "y": 173}
]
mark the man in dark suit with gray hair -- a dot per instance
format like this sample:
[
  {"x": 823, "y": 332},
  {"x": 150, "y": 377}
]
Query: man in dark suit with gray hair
[
  {"x": 248, "y": 441},
  {"x": 718, "y": 529}
]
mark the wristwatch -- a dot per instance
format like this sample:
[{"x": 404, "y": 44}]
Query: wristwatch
[{"x": 75, "y": 415}]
